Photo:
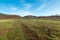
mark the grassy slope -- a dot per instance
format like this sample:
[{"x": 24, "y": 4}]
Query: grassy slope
[
  {"x": 11, "y": 30},
  {"x": 45, "y": 29},
  {"x": 29, "y": 29}
]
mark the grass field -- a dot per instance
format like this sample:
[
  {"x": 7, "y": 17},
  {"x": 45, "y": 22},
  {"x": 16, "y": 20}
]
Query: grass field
[{"x": 29, "y": 29}]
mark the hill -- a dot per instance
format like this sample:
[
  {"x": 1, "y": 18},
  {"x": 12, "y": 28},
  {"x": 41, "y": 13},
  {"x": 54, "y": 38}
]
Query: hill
[
  {"x": 50, "y": 17},
  {"x": 4, "y": 16}
]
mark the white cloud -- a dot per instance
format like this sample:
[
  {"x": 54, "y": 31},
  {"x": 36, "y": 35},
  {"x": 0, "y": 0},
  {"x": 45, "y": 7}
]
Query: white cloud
[
  {"x": 21, "y": 13},
  {"x": 27, "y": 6},
  {"x": 24, "y": 13},
  {"x": 41, "y": 7},
  {"x": 54, "y": 11},
  {"x": 13, "y": 8}
]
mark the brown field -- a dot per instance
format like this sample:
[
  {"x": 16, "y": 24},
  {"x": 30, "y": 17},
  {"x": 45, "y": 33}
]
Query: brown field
[{"x": 29, "y": 29}]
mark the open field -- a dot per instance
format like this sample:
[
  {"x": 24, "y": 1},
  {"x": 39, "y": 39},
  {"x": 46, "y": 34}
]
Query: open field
[{"x": 29, "y": 29}]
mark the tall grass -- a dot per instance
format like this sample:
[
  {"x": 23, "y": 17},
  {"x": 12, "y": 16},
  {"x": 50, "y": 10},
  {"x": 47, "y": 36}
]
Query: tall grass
[{"x": 30, "y": 30}]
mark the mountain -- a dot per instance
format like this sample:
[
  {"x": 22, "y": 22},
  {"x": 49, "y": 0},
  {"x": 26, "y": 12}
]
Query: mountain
[
  {"x": 30, "y": 17},
  {"x": 5, "y": 16},
  {"x": 49, "y": 17}
]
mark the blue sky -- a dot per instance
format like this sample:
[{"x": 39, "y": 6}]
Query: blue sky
[{"x": 30, "y": 7}]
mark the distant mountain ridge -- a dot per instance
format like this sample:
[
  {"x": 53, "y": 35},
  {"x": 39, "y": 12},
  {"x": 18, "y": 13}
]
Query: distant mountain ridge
[
  {"x": 2, "y": 14},
  {"x": 5, "y": 16}
]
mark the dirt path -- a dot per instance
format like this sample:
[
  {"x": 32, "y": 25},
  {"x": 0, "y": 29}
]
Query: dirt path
[{"x": 30, "y": 34}]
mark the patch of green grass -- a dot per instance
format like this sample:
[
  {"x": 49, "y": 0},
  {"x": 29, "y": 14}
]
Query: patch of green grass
[
  {"x": 15, "y": 29},
  {"x": 6, "y": 23}
]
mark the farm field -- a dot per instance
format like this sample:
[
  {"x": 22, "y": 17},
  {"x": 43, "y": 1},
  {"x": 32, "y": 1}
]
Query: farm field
[{"x": 29, "y": 29}]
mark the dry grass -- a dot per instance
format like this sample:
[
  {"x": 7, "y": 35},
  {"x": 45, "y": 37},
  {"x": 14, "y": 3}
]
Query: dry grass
[{"x": 29, "y": 30}]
